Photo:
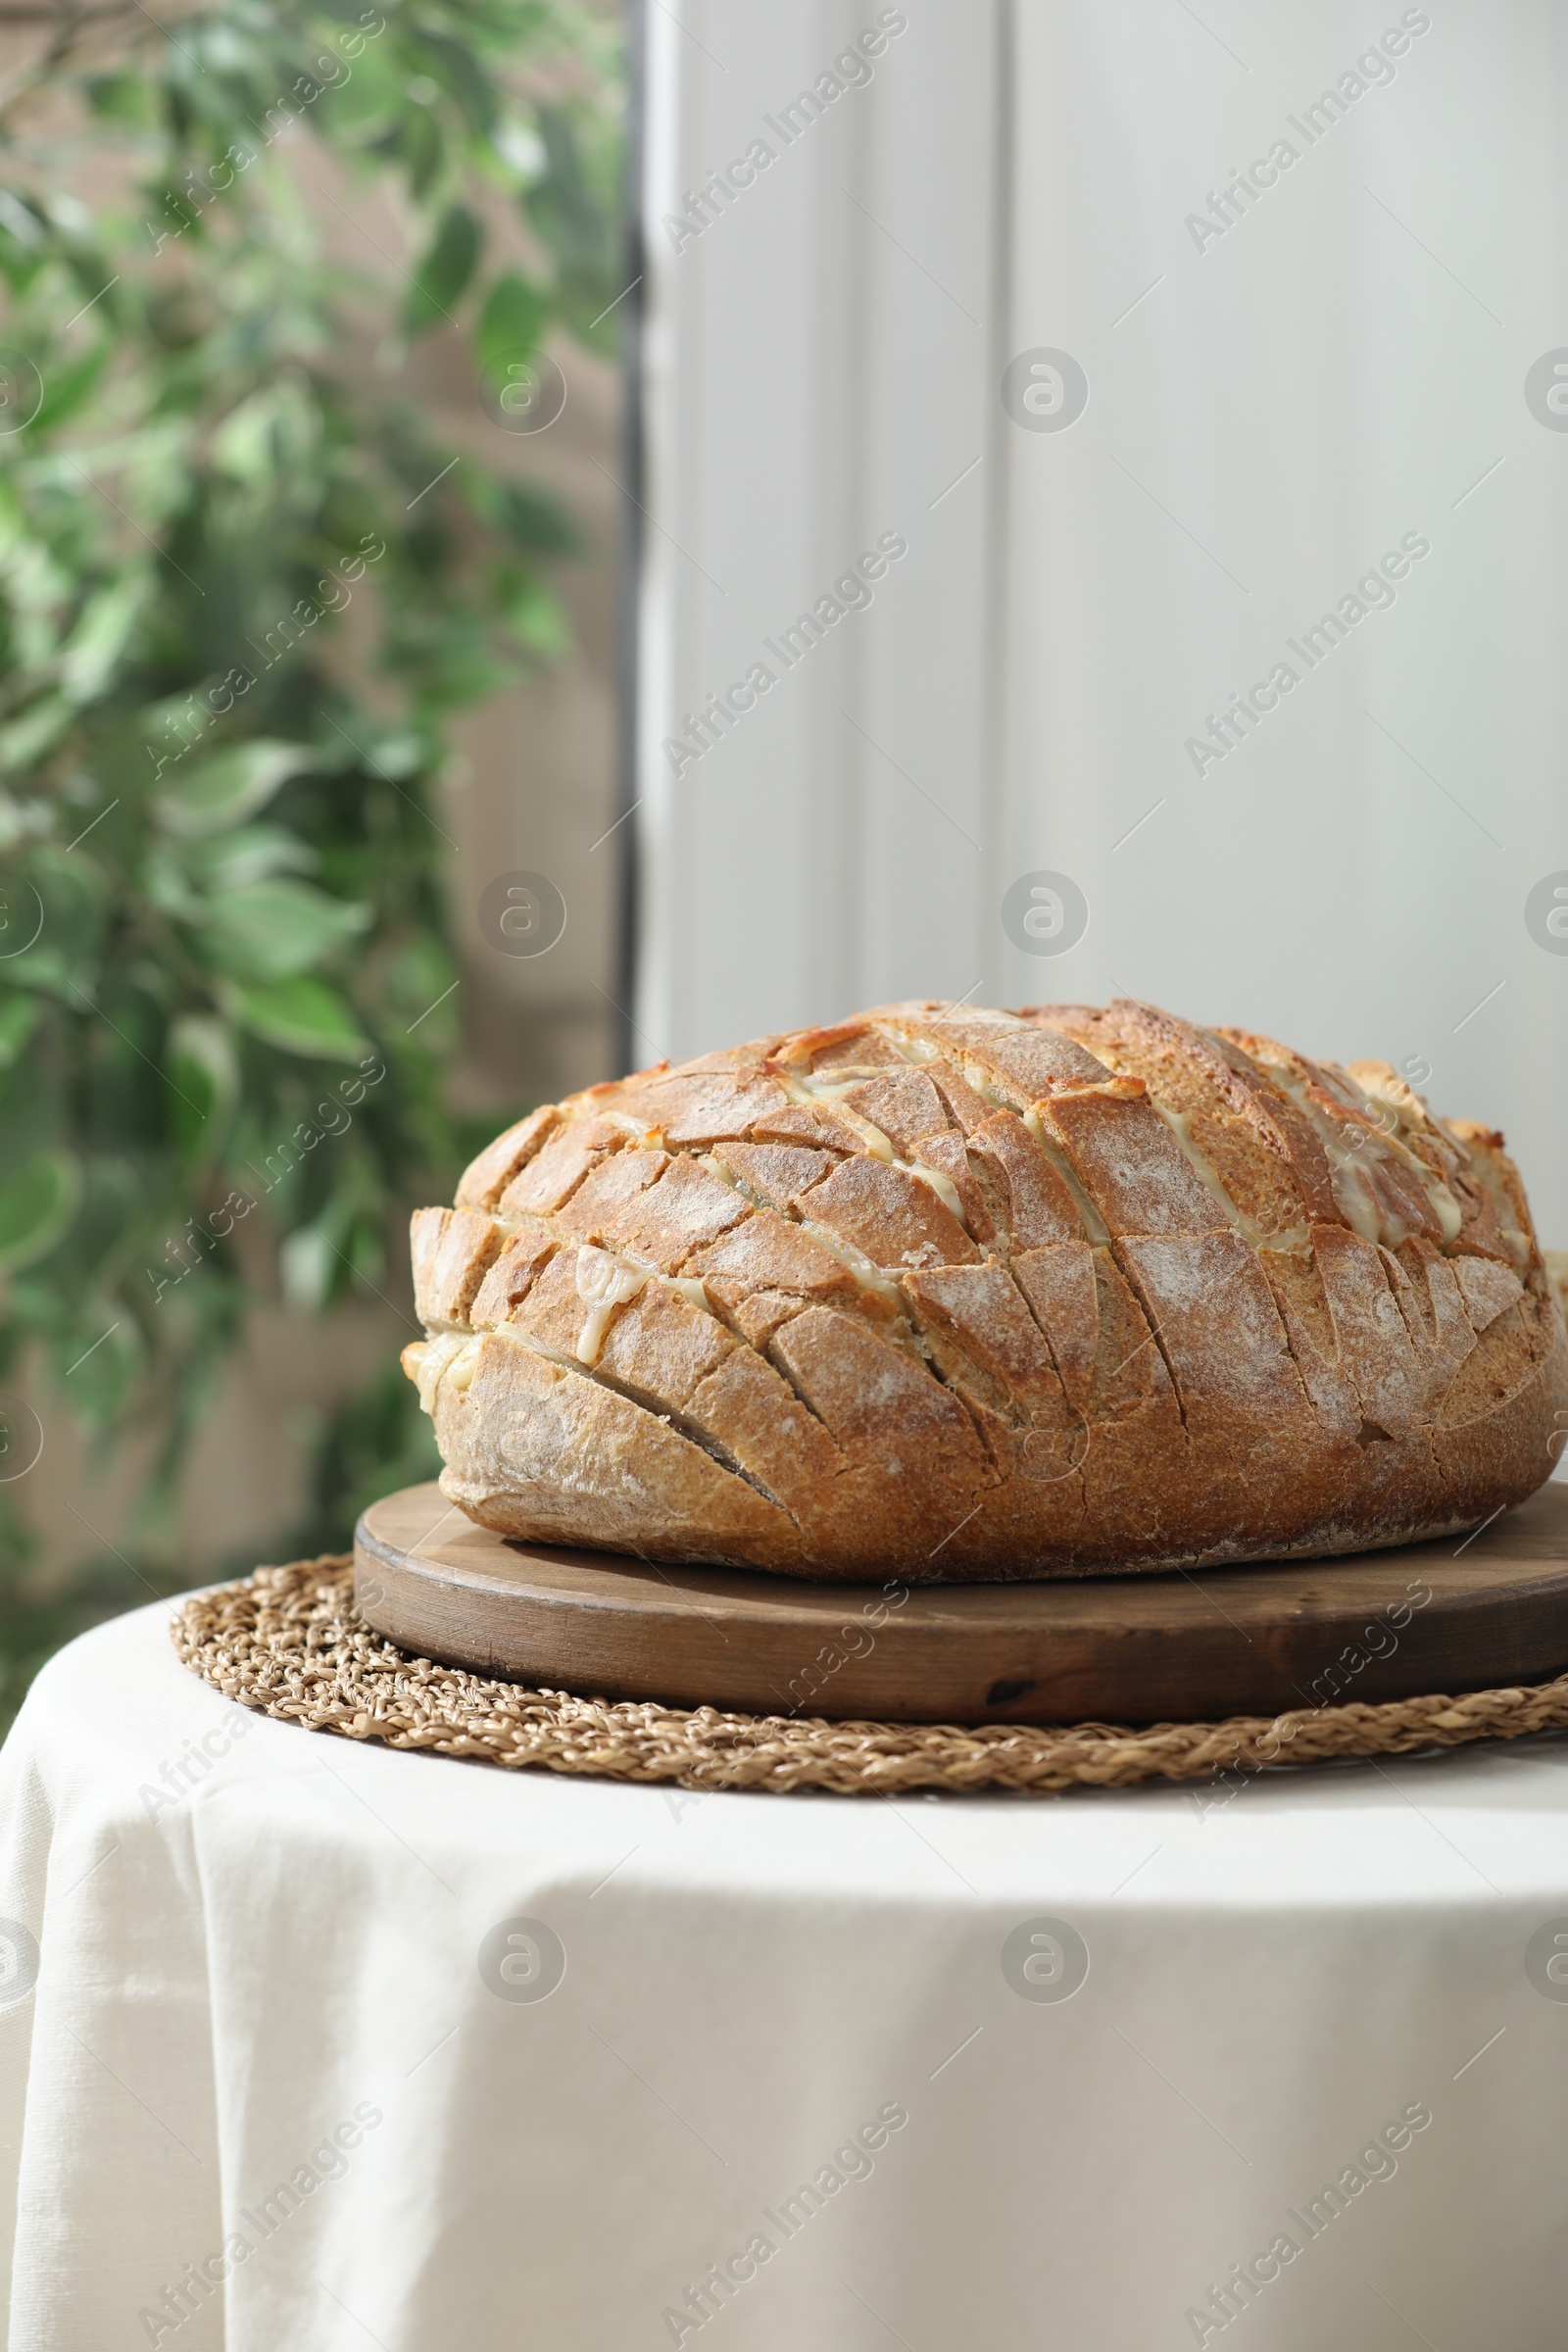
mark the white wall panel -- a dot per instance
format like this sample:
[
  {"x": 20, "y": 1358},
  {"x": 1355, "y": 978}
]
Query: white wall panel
[{"x": 817, "y": 375}]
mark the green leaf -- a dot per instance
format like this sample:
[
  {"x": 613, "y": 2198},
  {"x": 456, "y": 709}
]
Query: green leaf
[
  {"x": 401, "y": 755},
  {"x": 423, "y": 149},
  {"x": 523, "y": 514},
  {"x": 64, "y": 389},
  {"x": 418, "y": 979},
  {"x": 510, "y": 325},
  {"x": 168, "y": 885},
  {"x": 103, "y": 629},
  {"x": 521, "y": 149},
  {"x": 268, "y": 930},
  {"x": 52, "y": 911},
  {"x": 230, "y": 786},
  {"x": 473, "y": 88},
  {"x": 445, "y": 270},
  {"x": 270, "y": 436},
  {"x": 121, "y": 98},
  {"x": 100, "y": 1358},
  {"x": 20, "y": 220},
  {"x": 205, "y": 1077},
  {"x": 37, "y": 1207},
  {"x": 13, "y": 524},
  {"x": 243, "y": 444},
  {"x": 535, "y": 618},
  {"x": 364, "y": 104},
  {"x": 311, "y": 1260},
  {"x": 25, "y": 740},
  {"x": 18, "y": 1018},
  {"x": 565, "y": 207},
  {"x": 301, "y": 1015},
  {"x": 253, "y": 853}
]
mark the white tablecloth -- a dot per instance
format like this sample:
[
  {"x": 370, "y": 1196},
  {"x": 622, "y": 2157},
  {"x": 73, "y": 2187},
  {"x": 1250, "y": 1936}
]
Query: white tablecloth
[{"x": 754, "y": 2072}]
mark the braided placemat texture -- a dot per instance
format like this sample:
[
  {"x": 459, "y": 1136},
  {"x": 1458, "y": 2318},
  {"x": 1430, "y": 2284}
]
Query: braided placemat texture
[{"x": 290, "y": 1643}]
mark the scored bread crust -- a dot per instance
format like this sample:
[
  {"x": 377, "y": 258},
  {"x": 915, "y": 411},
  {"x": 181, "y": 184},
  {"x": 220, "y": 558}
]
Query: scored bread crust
[{"x": 961, "y": 1296}]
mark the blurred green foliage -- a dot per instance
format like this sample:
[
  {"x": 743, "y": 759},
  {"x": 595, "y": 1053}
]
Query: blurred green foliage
[{"x": 226, "y": 993}]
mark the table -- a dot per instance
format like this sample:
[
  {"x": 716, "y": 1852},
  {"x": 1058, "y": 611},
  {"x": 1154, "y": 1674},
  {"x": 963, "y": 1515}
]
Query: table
[{"x": 333, "y": 2048}]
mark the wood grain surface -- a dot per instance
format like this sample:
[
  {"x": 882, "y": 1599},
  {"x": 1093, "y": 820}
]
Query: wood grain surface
[{"x": 1466, "y": 1613}]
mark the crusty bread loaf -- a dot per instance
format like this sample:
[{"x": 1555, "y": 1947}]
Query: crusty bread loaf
[{"x": 952, "y": 1294}]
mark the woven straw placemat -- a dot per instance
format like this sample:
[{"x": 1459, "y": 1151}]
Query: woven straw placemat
[{"x": 290, "y": 1643}]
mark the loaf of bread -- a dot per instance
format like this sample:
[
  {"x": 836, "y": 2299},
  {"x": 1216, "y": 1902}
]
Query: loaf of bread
[{"x": 949, "y": 1295}]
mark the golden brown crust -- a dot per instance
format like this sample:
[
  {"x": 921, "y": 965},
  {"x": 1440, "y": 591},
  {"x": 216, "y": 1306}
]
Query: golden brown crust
[
  {"x": 949, "y": 1293},
  {"x": 485, "y": 1180}
]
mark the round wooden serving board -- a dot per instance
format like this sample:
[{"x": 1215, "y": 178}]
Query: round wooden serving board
[{"x": 1462, "y": 1614}]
